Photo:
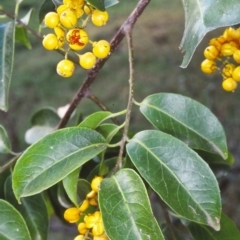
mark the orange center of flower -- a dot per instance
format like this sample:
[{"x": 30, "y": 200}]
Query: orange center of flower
[{"x": 75, "y": 38}]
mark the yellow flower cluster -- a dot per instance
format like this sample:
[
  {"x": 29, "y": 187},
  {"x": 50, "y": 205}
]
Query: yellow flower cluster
[
  {"x": 69, "y": 23},
  {"x": 226, "y": 50},
  {"x": 92, "y": 225}
]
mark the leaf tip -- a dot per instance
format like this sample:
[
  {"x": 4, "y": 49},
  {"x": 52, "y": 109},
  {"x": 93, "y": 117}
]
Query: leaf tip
[
  {"x": 4, "y": 108},
  {"x": 18, "y": 199},
  {"x": 225, "y": 155},
  {"x": 213, "y": 222}
]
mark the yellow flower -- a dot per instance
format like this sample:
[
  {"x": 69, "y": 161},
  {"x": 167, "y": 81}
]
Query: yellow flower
[{"x": 72, "y": 215}]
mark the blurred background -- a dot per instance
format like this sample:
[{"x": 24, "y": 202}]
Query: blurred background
[{"x": 157, "y": 36}]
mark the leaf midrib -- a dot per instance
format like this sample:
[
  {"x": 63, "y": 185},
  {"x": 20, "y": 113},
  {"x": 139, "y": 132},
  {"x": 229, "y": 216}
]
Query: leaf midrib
[
  {"x": 172, "y": 173},
  {"x": 187, "y": 127},
  {"x": 61, "y": 159},
  {"x": 125, "y": 200},
  {"x": 29, "y": 211}
]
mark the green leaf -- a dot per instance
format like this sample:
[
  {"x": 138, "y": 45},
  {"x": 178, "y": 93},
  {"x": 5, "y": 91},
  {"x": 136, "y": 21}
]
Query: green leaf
[
  {"x": 70, "y": 184},
  {"x": 46, "y": 116},
  {"x": 22, "y": 37},
  {"x": 167, "y": 232},
  {"x": 108, "y": 130},
  {"x": 228, "y": 231},
  {"x": 83, "y": 188},
  {"x": 44, "y": 121},
  {"x": 126, "y": 209},
  {"x": 211, "y": 158},
  {"x": 35, "y": 133},
  {"x": 98, "y": 4},
  {"x": 52, "y": 195},
  {"x": 33, "y": 210},
  {"x": 47, "y": 6},
  {"x": 180, "y": 177},
  {"x": 21, "y": 34},
  {"x": 5, "y": 144},
  {"x": 57, "y": 2},
  {"x": 27, "y": 18},
  {"x": 110, "y": 3},
  {"x": 3, "y": 176},
  {"x": 12, "y": 224},
  {"x": 187, "y": 120},
  {"x": 53, "y": 157},
  {"x": 95, "y": 119},
  {"x": 62, "y": 196},
  {"x": 203, "y": 16},
  {"x": 109, "y": 163},
  {"x": 7, "y": 43}
]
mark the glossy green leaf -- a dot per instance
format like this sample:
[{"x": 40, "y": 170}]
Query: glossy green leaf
[
  {"x": 109, "y": 163},
  {"x": 211, "y": 158},
  {"x": 83, "y": 188},
  {"x": 98, "y": 4},
  {"x": 5, "y": 144},
  {"x": 27, "y": 18},
  {"x": 57, "y": 2},
  {"x": 44, "y": 121},
  {"x": 126, "y": 209},
  {"x": 33, "y": 210},
  {"x": 53, "y": 157},
  {"x": 3, "y": 176},
  {"x": 108, "y": 130},
  {"x": 62, "y": 196},
  {"x": 12, "y": 224},
  {"x": 46, "y": 116},
  {"x": 95, "y": 119},
  {"x": 52, "y": 195},
  {"x": 180, "y": 177},
  {"x": 110, "y": 3},
  {"x": 203, "y": 16},
  {"x": 228, "y": 231},
  {"x": 167, "y": 232},
  {"x": 187, "y": 120},
  {"x": 19, "y": 1},
  {"x": 35, "y": 133},
  {"x": 47, "y": 6},
  {"x": 7, "y": 43},
  {"x": 70, "y": 184},
  {"x": 22, "y": 37}
]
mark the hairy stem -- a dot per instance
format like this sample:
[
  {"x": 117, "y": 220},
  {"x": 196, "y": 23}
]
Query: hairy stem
[
  {"x": 116, "y": 40},
  {"x": 130, "y": 100}
]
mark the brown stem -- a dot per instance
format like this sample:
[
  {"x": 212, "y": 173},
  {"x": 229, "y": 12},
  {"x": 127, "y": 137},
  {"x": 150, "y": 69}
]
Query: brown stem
[
  {"x": 100, "y": 104},
  {"x": 167, "y": 218},
  {"x": 130, "y": 102},
  {"x": 118, "y": 37},
  {"x": 9, "y": 163},
  {"x": 33, "y": 32}
]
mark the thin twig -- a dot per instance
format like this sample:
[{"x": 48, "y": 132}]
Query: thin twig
[
  {"x": 130, "y": 100},
  {"x": 167, "y": 218},
  {"x": 33, "y": 32},
  {"x": 100, "y": 104},
  {"x": 116, "y": 40},
  {"x": 126, "y": 28},
  {"x": 10, "y": 163}
]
